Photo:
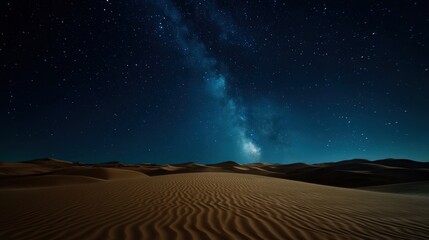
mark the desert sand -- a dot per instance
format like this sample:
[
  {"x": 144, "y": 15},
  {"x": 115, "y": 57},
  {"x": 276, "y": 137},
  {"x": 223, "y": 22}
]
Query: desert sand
[
  {"x": 412, "y": 188},
  {"x": 131, "y": 205}
]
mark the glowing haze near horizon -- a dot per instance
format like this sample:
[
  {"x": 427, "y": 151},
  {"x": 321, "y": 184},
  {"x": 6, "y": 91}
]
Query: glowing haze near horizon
[{"x": 208, "y": 81}]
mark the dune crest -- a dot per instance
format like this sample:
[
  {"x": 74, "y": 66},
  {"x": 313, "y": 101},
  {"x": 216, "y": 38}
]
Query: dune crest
[{"x": 101, "y": 173}]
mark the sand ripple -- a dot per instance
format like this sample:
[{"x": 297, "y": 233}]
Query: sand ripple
[{"x": 209, "y": 206}]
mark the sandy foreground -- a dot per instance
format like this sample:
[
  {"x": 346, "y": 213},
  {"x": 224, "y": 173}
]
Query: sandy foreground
[{"x": 208, "y": 206}]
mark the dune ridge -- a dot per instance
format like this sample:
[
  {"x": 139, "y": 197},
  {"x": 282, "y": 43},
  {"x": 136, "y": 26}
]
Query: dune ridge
[
  {"x": 48, "y": 177},
  {"x": 355, "y": 173},
  {"x": 100, "y": 172},
  {"x": 412, "y": 188},
  {"x": 209, "y": 206}
]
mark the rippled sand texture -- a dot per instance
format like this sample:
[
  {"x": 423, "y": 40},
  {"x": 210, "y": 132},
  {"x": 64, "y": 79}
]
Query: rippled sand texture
[{"x": 209, "y": 206}]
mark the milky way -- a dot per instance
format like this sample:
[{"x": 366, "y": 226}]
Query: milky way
[{"x": 214, "y": 78}]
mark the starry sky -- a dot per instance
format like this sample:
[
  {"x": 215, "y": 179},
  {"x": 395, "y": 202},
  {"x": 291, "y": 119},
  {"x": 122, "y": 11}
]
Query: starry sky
[{"x": 167, "y": 81}]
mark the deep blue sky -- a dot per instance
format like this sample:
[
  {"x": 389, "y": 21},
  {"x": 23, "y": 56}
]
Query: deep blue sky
[{"x": 173, "y": 81}]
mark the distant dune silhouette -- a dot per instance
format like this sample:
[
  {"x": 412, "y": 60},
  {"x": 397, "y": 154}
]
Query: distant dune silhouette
[{"x": 349, "y": 173}]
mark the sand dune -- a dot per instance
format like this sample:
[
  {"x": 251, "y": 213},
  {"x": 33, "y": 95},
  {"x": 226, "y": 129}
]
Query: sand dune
[
  {"x": 100, "y": 172},
  {"x": 21, "y": 169},
  {"x": 353, "y": 173},
  {"x": 413, "y": 188},
  {"x": 32, "y": 167},
  {"x": 225, "y": 164},
  {"x": 403, "y": 163},
  {"x": 209, "y": 206},
  {"x": 56, "y": 163},
  {"x": 45, "y": 181},
  {"x": 46, "y": 173}
]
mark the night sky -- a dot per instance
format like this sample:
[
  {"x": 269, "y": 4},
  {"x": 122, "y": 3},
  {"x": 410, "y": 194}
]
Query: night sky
[{"x": 166, "y": 81}]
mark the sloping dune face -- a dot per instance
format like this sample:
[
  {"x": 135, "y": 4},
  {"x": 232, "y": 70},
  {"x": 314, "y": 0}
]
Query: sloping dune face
[
  {"x": 64, "y": 176},
  {"x": 209, "y": 206},
  {"x": 101, "y": 173}
]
